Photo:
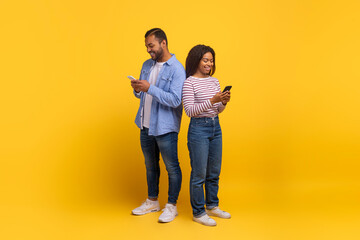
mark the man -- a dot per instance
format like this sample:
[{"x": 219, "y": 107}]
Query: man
[{"x": 159, "y": 116}]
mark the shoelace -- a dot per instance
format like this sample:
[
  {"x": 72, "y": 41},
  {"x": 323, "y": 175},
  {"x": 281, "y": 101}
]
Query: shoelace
[
  {"x": 168, "y": 208},
  {"x": 216, "y": 209},
  {"x": 205, "y": 217},
  {"x": 145, "y": 204}
]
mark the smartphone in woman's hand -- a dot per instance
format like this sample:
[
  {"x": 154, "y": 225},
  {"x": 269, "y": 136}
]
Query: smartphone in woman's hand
[{"x": 227, "y": 88}]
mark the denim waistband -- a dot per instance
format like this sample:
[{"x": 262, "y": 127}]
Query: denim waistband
[{"x": 204, "y": 118}]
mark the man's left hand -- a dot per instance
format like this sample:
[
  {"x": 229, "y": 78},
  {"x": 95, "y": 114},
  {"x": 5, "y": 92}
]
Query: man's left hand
[{"x": 140, "y": 85}]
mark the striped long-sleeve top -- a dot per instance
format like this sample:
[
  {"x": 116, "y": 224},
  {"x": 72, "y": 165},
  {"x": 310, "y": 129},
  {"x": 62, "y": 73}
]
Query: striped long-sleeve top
[{"x": 197, "y": 93}]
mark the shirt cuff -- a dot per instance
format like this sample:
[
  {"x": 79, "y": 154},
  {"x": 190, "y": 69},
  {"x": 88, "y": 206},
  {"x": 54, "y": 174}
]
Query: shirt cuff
[
  {"x": 137, "y": 93},
  {"x": 150, "y": 90}
]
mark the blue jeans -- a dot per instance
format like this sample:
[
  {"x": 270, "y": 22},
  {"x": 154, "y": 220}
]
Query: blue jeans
[
  {"x": 205, "y": 148},
  {"x": 165, "y": 144}
]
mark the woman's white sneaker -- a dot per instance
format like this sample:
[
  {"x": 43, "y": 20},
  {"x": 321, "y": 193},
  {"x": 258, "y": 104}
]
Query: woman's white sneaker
[
  {"x": 217, "y": 212},
  {"x": 206, "y": 220},
  {"x": 169, "y": 213},
  {"x": 147, "y": 207}
]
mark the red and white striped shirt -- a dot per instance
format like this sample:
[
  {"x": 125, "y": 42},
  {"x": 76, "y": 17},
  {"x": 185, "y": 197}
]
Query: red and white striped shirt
[{"x": 197, "y": 93}]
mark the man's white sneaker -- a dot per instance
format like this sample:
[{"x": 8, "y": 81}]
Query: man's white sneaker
[
  {"x": 147, "y": 207},
  {"x": 169, "y": 213},
  {"x": 206, "y": 220},
  {"x": 217, "y": 212}
]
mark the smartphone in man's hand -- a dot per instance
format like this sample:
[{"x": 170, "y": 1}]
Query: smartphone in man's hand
[{"x": 131, "y": 77}]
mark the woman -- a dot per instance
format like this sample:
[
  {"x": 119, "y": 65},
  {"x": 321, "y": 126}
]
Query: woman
[{"x": 203, "y": 101}]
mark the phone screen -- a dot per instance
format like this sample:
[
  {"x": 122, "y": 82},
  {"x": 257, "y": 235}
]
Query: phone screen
[{"x": 227, "y": 88}]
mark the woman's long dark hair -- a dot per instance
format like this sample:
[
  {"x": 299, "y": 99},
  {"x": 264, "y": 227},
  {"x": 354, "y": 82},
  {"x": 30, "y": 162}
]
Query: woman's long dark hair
[{"x": 194, "y": 57}]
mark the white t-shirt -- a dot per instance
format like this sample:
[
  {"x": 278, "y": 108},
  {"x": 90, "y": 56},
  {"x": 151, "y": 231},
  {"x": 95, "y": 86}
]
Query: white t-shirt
[{"x": 148, "y": 98}]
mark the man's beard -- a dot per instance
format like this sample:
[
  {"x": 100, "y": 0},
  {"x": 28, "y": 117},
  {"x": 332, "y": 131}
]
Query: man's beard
[{"x": 158, "y": 54}]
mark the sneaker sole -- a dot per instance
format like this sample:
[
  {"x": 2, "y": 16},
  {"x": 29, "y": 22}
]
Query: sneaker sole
[
  {"x": 149, "y": 211},
  {"x": 209, "y": 225},
  {"x": 214, "y": 215}
]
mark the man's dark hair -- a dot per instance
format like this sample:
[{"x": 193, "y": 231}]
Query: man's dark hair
[
  {"x": 159, "y": 34},
  {"x": 194, "y": 57}
]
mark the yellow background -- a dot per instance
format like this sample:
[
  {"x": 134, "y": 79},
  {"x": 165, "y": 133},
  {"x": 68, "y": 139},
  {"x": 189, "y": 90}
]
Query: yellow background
[{"x": 71, "y": 163}]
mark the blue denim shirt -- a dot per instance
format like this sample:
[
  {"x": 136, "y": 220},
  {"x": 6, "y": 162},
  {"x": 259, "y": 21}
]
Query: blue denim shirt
[{"x": 166, "y": 107}]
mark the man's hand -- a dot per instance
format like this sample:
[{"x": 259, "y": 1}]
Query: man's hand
[{"x": 140, "y": 85}]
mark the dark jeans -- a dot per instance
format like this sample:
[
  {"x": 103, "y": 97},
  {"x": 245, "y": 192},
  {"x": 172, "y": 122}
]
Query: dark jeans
[
  {"x": 166, "y": 145},
  {"x": 205, "y": 148}
]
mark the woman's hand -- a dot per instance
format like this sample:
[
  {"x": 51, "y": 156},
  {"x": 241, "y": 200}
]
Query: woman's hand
[
  {"x": 220, "y": 97},
  {"x": 226, "y": 98}
]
